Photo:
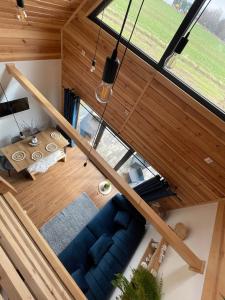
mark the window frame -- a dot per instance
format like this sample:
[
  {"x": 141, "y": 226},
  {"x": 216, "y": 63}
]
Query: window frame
[
  {"x": 182, "y": 29},
  {"x": 103, "y": 126}
]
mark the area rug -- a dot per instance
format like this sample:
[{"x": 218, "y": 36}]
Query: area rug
[{"x": 65, "y": 226}]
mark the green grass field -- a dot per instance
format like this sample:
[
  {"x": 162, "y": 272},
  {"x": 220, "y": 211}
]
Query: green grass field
[{"x": 202, "y": 63}]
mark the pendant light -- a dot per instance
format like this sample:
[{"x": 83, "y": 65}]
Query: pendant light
[
  {"x": 171, "y": 59},
  {"x": 104, "y": 90},
  {"x": 93, "y": 62},
  {"x": 21, "y": 13}
]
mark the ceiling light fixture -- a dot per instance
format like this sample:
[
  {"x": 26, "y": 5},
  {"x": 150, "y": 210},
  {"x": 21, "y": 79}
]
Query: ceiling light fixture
[
  {"x": 21, "y": 13},
  {"x": 171, "y": 59},
  {"x": 104, "y": 90}
]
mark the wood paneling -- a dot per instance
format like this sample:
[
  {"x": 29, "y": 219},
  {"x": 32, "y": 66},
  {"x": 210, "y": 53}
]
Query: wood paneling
[
  {"x": 165, "y": 125},
  {"x": 37, "y": 38},
  {"x": 214, "y": 285}
]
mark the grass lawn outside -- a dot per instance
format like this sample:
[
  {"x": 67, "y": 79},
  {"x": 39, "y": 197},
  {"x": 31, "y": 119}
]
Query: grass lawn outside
[{"x": 202, "y": 63}]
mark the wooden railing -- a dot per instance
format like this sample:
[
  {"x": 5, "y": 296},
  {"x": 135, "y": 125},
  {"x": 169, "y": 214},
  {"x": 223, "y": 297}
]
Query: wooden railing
[{"x": 29, "y": 269}]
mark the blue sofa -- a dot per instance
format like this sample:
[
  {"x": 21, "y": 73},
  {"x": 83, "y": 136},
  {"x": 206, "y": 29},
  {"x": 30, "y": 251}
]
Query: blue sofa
[{"x": 104, "y": 247}]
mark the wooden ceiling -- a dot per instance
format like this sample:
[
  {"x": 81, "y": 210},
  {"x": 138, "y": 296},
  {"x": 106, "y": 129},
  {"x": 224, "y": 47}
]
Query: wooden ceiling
[
  {"x": 41, "y": 13},
  {"x": 40, "y": 36}
]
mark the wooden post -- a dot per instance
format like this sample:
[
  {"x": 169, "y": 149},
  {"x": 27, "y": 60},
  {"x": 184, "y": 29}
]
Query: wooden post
[{"x": 169, "y": 235}]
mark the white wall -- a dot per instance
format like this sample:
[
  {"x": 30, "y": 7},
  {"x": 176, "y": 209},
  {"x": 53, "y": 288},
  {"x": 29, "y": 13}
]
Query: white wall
[
  {"x": 178, "y": 281},
  {"x": 46, "y": 76}
]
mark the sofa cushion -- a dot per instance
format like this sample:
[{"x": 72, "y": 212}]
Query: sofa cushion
[
  {"x": 123, "y": 204},
  {"x": 95, "y": 287},
  {"x": 122, "y": 218},
  {"x": 78, "y": 276},
  {"x": 110, "y": 266},
  {"x": 119, "y": 252},
  {"x": 103, "y": 221},
  {"x": 99, "y": 248},
  {"x": 76, "y": 253}
]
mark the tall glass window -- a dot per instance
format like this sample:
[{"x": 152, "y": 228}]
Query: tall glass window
[
  {"x": 200, "y": 68},
  {"x": 129, "y": 164},
  {"x": 202, "y": 63},
  {"x": 158, "y": 22}
]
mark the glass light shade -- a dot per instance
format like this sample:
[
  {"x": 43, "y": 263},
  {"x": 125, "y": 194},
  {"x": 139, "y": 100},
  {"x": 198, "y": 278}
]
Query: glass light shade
[
  {"x": 171, "y": 61},
  {"x": 21, "y": 14},
  {"x": 103, "y": 92}
]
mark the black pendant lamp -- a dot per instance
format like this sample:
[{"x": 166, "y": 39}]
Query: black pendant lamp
[
  {"x": 104, "y": 90},
  {"x": 171, "y": 59}
]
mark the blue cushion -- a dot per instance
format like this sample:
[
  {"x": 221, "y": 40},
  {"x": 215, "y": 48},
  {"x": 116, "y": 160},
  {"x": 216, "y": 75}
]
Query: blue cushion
[
  {"x": 99, "y": 248},
  {"x": 110, "y": 266},
  {"x": 120, "y": 252},
  {"x": 95, "y": 286},
  {"x": 76, "y": 253},
  {"x": 103, "y": 221},
  {"x": 123, "y": 204},
  {"x": 122, "y": 218},
  {"x": 78, "y": 276}
]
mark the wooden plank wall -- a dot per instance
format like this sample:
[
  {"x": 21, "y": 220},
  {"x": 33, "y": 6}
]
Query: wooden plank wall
[
  {"x": 37, "y": 38},
  {"x": 165, "y": 125}
]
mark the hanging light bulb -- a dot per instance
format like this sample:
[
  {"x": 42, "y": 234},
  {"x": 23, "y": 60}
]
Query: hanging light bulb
[
  {"x": 170, "y": 62},
  {"x": 103, "y": 92},
  {"x": 93, "y": 65},
  {"x": 21, "y": 13}
]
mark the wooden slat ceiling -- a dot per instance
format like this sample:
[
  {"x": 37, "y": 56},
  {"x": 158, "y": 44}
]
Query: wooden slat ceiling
[
  {"x": 41, "y": 13},
  {"x": 37, "y": 38}
]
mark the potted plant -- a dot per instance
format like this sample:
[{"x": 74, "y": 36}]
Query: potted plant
[
  {"x": 105, "y": 187},
  {"x": 143, "y": 286}
]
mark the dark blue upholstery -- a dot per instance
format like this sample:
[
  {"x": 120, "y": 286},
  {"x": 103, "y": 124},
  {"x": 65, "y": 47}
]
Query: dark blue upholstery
[
  {"x": 95, "y": 279},
  {"x": 122, "y": 218}
]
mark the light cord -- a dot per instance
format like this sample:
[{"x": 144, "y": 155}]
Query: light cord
[
  {"x": 20, "y": 131},
  {"x": 193, "y": 25},
  {"x": 98, "y": 37},
  {"x": 123, "y": 25},
  {"x": 128, "y": 42}
]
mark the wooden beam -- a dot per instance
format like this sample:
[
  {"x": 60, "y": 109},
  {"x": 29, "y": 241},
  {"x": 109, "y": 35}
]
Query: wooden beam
[
  {"x": 5, "y": 186},
  {"x": 76, "y": 11},
  {"x": 193, "y": 261},
  {"x": 214, "y": 284}
]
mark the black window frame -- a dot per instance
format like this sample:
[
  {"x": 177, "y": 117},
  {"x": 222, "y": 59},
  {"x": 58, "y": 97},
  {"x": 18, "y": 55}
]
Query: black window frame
[
  {"x": 182, "y": 29},
  {"x": 100, "y": 131}
]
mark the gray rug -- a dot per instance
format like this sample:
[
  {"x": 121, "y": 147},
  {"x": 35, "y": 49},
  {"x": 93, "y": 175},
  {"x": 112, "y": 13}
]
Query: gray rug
[{"x": 62, "y": 228}]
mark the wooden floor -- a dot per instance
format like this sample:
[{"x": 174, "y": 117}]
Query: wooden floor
[{"x": 54, "y": 190}]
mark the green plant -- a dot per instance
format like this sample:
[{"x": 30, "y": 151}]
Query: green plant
[
  {"x": 106, "y": 185},
  {"x": 143, "y": 286}
]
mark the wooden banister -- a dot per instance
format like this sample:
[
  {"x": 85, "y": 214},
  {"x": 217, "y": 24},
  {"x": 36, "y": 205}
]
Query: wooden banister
[
  {"x": 169, "y": 235},
  {"x": 5, "y": 186}
]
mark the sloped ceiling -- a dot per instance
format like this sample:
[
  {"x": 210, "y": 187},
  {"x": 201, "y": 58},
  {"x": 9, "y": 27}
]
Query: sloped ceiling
[{"x": 39, "y": 37}]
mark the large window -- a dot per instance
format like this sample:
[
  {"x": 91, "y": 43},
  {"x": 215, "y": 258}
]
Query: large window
[
  {"x": 120, "y": 156},
  {"x": 156, "y": 25},
  {"x": 202, "y": 63},
  {"x": 200, "y": 69}
]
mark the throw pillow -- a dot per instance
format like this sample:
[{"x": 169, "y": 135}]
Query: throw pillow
[{"x": 122, "y": 218}]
